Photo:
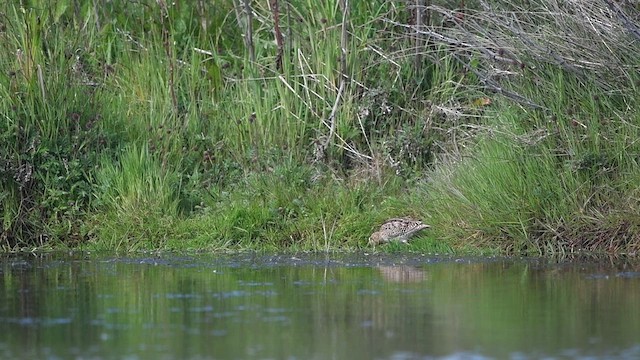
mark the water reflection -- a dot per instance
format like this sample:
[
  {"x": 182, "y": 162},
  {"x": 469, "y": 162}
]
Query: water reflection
[
  {"x": 402, "y": 273},
  {"x": 316, "y": 307}
]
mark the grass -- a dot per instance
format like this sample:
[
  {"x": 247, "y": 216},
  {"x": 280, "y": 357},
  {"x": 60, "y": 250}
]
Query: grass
[
  {"x": 545, "y": 184},
  {"x": 148, "y": 125},
  {"x": 289, "y": 210}
]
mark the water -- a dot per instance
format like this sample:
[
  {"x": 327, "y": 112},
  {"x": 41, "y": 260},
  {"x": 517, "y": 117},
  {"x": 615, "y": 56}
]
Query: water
[{"x": 315, "y": 307}]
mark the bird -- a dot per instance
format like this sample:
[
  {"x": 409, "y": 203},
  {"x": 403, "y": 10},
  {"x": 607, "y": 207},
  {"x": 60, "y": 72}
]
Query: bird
[{"x": 396, "y": 229}]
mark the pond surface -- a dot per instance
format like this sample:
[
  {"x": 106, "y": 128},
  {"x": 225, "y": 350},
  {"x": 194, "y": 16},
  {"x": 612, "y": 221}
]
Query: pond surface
[{"x": 307, "y": 306}]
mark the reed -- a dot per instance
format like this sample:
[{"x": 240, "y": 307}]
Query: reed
[{"x": 234, "y": 125}]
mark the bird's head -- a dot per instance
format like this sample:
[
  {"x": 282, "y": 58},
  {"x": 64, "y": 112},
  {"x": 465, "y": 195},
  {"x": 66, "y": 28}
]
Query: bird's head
[{"x": 375, "y": 238}]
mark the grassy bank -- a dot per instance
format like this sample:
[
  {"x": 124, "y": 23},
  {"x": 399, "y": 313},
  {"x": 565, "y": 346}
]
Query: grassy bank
[{"x": 302, "y": 126}]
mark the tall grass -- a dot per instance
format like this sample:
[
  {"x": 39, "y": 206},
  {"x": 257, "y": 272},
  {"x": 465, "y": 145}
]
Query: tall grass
[
  {"x": 50, "y": 130},
  {"x": 141, "y": 197},
  {"x": 556, "y": 187},
  {"x": 556, "y": 174},
  {"x": 160, "y": 125}
]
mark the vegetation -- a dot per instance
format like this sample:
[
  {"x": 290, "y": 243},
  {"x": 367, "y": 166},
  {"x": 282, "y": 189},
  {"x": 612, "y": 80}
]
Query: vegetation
[{"x": 510, "y": 127}]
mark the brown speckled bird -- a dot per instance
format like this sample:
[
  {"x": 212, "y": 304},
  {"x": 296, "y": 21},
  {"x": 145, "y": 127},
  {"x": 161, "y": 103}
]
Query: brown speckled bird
[{"x": 398, "y": 229}]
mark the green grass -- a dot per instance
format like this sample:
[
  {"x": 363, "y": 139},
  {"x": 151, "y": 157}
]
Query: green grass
[
  {"x": 546, "y": 183},
  {"x": 127, "y": 126},
  {"x": 284, "y": 209}
]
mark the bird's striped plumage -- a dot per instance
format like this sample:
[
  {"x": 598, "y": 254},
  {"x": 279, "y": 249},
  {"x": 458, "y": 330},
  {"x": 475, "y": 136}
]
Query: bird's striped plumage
[{"x": 397, "y": 229}]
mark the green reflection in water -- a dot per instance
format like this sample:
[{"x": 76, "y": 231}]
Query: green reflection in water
[{"x": 314, "y": 308}]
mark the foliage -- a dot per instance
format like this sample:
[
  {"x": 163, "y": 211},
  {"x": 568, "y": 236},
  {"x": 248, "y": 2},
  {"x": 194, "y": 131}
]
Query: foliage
[{"x": 151, "y": 124}]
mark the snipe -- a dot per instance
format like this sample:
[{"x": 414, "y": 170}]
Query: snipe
[{"x": 397, "y": 229}]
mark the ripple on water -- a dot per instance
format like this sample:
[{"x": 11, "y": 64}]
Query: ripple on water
[
  {"x": 628, "y": 274},
  {"x": 181, "y": 296},
  {"x": 251, "y": 283},
  {"x": 368, "y": 292},
  {"x": 32, "y": 321},
  {"x": 230, "y": 294}
]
